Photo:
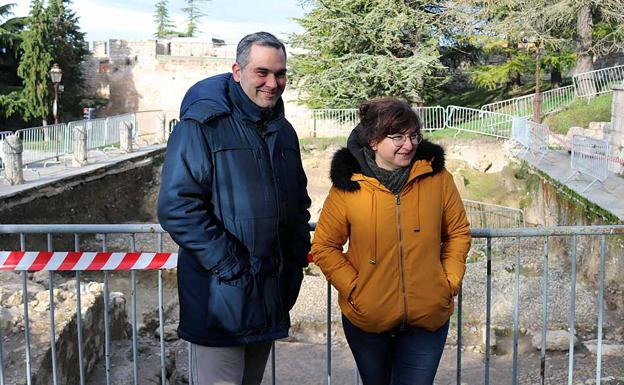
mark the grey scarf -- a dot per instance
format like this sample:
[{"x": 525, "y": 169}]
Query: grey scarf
[{"x": 393, "y": 180}]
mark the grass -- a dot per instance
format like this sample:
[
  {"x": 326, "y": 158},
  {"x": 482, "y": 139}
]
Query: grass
[
  {"x": 450, "y": 133},
  {"x": 5, "y": 89},
  {"x": 309, "y": 144},
  {"x": 476, "y": 97},
  {"x": 580, "y": 113}
]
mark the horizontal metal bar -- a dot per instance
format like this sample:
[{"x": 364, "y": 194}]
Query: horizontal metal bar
[
  {"x": 548, "y": 231},
  {"x": 156, "y": 228},
  {"x": 82, "y": 228}
]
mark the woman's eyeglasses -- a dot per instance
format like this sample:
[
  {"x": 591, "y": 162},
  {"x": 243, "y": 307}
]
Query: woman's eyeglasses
[{"x": 399, "y": 140}]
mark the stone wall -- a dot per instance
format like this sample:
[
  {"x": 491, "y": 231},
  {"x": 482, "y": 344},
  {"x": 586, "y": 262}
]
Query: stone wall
[
  {"x": 549, "y": 203},
  {"x": 155, "y": 75},
  {"x": 95, "y": 197}
]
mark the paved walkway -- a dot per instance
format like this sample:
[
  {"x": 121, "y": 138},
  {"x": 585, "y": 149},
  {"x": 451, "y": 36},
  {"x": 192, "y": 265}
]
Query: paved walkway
[
  {"x": 39, "y": 175},
  {"x": 608, "y": 195}
]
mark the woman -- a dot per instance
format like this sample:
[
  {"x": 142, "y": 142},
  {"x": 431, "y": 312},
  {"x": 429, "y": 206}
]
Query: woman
[{"x": 399, "y": 209}]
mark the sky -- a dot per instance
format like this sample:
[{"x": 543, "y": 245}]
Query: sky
[{"x": 226, "y": 19}]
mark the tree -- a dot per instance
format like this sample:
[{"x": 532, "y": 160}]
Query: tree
[
  {"x": 354, "y": 51},
  {"x": 35, "y": 65},
  {"x": 69, "y": 49},
  {"x": 10, "y": 39},
  {"x": 194, "y": 12},
  {"x": 10, "y": 32},
  {"x": 164, "y": 26},
  {"x": 525, "y": 37},
  {"x": 599, "y": 29}
]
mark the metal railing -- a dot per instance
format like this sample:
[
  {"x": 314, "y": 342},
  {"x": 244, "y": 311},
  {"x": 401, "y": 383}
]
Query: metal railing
[
  {"x": 106, "y": 261},
  {"x": 520, "y": 233},
  {"x": 73, "y": 261},
  {"x": 592, "y": 83},
  {"x": 590, "y": 157}
]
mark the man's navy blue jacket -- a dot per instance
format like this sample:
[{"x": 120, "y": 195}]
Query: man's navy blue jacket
[{"x": 233, "y": 197}]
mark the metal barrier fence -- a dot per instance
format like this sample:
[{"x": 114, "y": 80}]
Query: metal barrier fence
[
  {"x": 533, "y": 137},
  {"x": 78, "y": 262},
  {"x": 340, "y": 122},
  {"x": 590, "y": 157},
  {"x": 598, "y": 82},
  {"x": 552, "y": 100},
  {"x": 3, "y": 134},
  {"x": 334, "y": 122},
  {"x": 44, "y": 143},
  {"x": 479, "y": 121},
  {"x": 433, "y": 118},
  {"x": 50, "y": 142},
  {"x": 150, "y": 126}
]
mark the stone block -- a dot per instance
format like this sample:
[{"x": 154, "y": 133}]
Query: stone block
[
  {"x": 556, "y": 340},
  {"x": 609, "y": 348}
]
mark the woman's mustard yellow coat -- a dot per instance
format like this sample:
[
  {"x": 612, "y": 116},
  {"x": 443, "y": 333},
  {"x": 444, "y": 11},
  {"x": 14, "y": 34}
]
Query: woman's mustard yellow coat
[{"x": 406, "y": 253}]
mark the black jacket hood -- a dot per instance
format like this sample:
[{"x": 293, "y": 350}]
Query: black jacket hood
[
  {"x": 350, "y": 160},
  {"x": 221, "y": 95}
]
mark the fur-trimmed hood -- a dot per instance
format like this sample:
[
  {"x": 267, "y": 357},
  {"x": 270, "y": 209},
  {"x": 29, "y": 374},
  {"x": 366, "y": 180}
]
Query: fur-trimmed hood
[{"x": 350, "y": 160}]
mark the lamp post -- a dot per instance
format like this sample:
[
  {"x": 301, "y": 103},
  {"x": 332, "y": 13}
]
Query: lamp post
[{"x": 55, "y": 74}]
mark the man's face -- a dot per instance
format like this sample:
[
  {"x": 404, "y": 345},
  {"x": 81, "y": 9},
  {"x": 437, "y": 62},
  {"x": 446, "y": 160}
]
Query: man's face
[{"x": 264, "y": 76}]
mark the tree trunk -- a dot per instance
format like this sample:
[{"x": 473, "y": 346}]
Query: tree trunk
[
  {"x": 555, "y": 78},
  {"x": 537, "y": 99},
  {"x": 584, "y": 55}
]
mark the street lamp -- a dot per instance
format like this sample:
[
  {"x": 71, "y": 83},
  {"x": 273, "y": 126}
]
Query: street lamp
[{"x": 55, "y": 74}]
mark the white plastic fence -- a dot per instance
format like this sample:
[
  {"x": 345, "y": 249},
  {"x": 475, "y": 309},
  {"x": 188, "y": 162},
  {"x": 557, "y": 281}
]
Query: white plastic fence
[
  {"x": 598, "y": 82},
  {"x": 590, "y": 157}
]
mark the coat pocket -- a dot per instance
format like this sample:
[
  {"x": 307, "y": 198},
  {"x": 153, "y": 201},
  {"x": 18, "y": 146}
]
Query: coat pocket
[{"x": 235, "y": 307}]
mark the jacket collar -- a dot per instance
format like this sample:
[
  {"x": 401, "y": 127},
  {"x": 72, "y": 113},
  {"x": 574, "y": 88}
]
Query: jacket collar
[
  {"x": 347, "y": 170},
  {"x": 248, "y": 110},
  {"x": 222, "y": 95}
]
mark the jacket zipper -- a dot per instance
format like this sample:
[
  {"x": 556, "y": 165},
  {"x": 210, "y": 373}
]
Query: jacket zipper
[{"x": 401, "y": 266}]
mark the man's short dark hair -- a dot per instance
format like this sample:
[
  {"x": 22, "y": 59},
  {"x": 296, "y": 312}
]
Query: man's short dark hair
[{"x": 264, "y": 39}]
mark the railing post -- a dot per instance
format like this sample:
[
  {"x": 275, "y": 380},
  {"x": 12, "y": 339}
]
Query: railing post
[
  {"x": 79, "y": 133},
  {"x": 12, "y": 149},
  {"x": 125, "y": 135}
]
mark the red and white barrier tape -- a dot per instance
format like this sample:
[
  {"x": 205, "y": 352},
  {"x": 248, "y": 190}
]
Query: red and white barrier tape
[{"x": 80, "y": 261}]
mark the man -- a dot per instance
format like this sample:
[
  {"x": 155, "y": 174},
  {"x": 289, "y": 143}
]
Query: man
[{"x": 233, "y": 197}]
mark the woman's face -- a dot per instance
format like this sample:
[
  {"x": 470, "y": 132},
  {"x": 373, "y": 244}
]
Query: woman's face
[{"x": 396, "y": 150}]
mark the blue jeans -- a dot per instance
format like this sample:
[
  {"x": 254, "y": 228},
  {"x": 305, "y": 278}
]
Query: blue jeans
[{"x": 398, "y": 357}]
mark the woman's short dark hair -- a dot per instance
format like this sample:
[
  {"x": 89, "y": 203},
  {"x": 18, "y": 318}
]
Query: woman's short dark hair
[{"x": 387, "y": 116}]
